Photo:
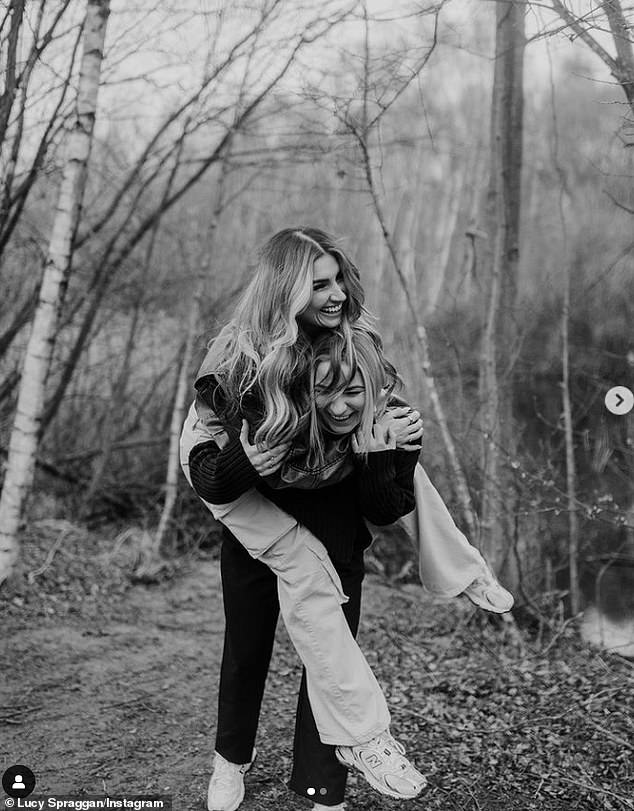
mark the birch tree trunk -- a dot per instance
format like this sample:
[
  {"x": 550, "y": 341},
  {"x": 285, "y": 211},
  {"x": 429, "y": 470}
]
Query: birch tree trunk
[
  {"x": 571, "y": 473},
  {"x": 503, "y": 209},
  {"x": 24, "y": 436},
  {"x": 565, "y": 199}
]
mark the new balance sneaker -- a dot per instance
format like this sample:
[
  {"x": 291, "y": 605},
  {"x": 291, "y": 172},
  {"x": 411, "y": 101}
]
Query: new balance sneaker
[
  {"x": 226, "y": 787},
  {"x": 487, "y": 592},
  {"x": 383, "y": 763}
]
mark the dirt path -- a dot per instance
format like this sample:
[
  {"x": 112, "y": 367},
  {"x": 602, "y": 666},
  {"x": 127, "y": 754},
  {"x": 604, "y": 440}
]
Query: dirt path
[
  {"x": 122, "y": 705},
  {"x": 124, "y": 701}
]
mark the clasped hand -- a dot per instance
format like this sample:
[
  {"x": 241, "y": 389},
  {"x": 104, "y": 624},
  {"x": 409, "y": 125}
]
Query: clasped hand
[
  {"x": 399, "y": 427},
  {"x": 265, "y": 461}
]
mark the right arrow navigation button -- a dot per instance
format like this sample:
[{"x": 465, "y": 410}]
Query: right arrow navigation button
[{"x": 619, "y": 400}]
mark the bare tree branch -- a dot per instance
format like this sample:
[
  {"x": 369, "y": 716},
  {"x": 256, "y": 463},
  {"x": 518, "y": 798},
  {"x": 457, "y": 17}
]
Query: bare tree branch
[{"x": 617, "y": 203}]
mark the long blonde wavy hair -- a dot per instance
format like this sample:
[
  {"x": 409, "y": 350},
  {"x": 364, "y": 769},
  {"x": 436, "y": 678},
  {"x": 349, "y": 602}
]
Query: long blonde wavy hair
[
  {"x": 262, "y": 355},
  {"x": 362, "y": 352}
]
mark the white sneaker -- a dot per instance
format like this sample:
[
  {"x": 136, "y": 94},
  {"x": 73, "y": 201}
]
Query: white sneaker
[
  {"x": 226, "y": 787},
  {"x": 383, "y": 763},
  {"x": 320, "y": 807},
  {"x": 487, "y": 592}
]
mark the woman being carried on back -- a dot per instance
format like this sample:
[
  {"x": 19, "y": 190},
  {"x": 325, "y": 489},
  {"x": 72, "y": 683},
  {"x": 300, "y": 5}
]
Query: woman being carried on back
[{"x": 284, "y": 479}]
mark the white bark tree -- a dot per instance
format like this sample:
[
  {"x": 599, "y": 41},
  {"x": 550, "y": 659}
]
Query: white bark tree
[{"x": 25, "y": 434}]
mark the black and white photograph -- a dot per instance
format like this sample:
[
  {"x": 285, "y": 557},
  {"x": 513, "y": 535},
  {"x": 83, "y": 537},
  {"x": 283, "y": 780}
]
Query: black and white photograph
[{"x": 317, "y": 405}]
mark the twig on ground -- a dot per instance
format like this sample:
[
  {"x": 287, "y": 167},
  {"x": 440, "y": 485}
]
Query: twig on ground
[
  {"x": 122, "y": 537},
  {"x": 560, "y": 632},
  {"x": 609, "y": 691},
  {"x": 598, "y": 790},
  {"x": 608, "y": 734},
  {"x": 20, "y": 709},
  {"x": 473, "y": 797}
]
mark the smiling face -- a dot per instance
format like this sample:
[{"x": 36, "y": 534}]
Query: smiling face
[
  {"x": 325, "y": 308},
  {"x": 340, "y": 412}
]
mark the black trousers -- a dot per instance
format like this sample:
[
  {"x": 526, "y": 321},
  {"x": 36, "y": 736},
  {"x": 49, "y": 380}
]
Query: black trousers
[{"x": 251, "y": 610}]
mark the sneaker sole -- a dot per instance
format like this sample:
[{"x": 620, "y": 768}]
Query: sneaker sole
[
  {"x": 231, "y": 808},
  {"x": 380, "y": 787},
  {"x": 487, "y": 606}
]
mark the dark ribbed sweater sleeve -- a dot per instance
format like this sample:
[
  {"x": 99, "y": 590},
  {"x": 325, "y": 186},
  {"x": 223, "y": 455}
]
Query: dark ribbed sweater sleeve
[
  {"x": 386, "y": 485},
  {"x": 221, "y": 475}
]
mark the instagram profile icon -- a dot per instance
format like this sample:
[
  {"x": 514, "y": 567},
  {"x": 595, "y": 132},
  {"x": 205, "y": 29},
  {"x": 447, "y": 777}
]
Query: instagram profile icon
[{"x": 18, "y": 781}]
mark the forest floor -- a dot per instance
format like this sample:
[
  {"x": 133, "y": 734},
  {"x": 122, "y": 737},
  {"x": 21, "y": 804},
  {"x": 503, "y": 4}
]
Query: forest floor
[{"x": 112, "y": 688}]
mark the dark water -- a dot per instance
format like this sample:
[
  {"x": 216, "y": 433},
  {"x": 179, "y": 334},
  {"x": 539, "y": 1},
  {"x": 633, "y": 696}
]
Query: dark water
[{"x": 608, "y": 619}]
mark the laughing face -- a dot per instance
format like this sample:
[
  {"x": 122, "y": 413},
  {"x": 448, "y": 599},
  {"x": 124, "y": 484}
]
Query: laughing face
[
  {"x": 340, "y": 413},
  {"x": 325, "y": 308}
]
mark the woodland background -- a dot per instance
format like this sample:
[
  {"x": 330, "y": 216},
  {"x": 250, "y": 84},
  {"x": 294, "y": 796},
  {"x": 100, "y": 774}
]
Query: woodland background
[
  {"x": 404, "y": 128},
  {"x": 476, "y": 160}
]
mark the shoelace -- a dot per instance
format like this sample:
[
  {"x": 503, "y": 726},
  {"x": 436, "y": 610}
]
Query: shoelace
[
  {"x": 387, "y": 740},
  {"x": 391, "y": 749},
  {"x": 397, "y": 757}
]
